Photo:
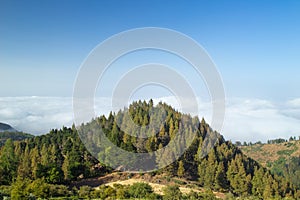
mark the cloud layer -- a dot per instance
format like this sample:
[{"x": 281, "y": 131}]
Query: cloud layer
[
  {"x": 246, "y": 119},
  {"x": 256, "y": 119}
]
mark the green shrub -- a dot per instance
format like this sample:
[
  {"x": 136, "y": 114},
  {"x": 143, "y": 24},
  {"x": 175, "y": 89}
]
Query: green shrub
[
  {"x": 179, "y": 182},
  {"x": 172, "y": 192},
  {"x": 139, "y": 190},
  {"x": 104, "y": 192},
  {"x": 285, "y": 152},
  {"x": 5, "y": 191},
  {"x": 85, "y": 192},
  {"x": 208, "y": 195}
]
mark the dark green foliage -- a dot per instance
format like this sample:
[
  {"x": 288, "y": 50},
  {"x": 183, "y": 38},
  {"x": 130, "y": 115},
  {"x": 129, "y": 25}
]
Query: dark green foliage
[
  {"x": 207, "y": 196},
  {"x": 121, "y": 191},
  {"x": 221, "y": 182},
  {"x": 139, "y": 190},
  {"x": 292, "y": 170},
  {"x": 8, "y": 163},
  {"x": 19, "y": 189},
  {"x": 154, "y": 196},
  {"x": 257, "y": 182},
  {"x": 4, "y": 191},
  {"x": 278, "y": 166},
  {"x": 172, "y": 192},
  {"x": 28, "y": 189},
  {"x": 58, "y": 157},
  {"x": 276, "y": 141},
  {"x": 289, "y": 168},
  {"x": 85, "y": 192},
  {"x": 15, "y": 136},
  {"x": 38, "y": 188},
  {"x": 51, "y": 173},
  {"x": 104, "y": 192}
]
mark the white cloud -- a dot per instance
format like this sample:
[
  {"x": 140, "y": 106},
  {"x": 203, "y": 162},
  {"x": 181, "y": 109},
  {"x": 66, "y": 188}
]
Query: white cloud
[
  {"x": 246, "y": 119},
  {"x": 294, "y": 103},
  {"x": 36, "y": 115},
  {"x": 255, "y": 119}
]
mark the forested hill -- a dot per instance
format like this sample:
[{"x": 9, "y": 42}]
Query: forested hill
[{"x": 60, "y": 157}]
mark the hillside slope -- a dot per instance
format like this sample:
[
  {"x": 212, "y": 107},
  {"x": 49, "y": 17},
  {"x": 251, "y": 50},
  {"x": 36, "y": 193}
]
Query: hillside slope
[{"x": 282, "y": 158}]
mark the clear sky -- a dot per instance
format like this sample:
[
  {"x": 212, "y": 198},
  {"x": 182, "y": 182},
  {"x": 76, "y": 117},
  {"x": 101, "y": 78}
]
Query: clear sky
[{"x": 255, "y": 45}]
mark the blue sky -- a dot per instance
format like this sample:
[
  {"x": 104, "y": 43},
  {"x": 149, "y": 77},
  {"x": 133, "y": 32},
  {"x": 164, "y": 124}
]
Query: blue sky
[{"x": 255, "y": 45}]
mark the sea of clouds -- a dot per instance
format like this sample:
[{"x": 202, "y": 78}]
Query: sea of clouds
[{"x": 245, "y": 119}]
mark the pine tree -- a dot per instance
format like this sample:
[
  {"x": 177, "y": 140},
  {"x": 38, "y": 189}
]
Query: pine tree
[
  {"x": 210, "y": 170},
  {"x": 35, "y": 160},
  {"x": 180, "y": 171},
  {"x": 145, "y": 120},
  {"x": 220, "y": 179},
  {"x": 201, "y": 171},
  {"x": 172, "y": 192},
  {"x": 268, "y": 191},
  {"x": 257, "y": 182},
  {"x": 171, "y": 129},
  {"x": 66, "y": 169},
  {"x": 150, "y": 103},
  {"x": 275, "y": 188},
  {"x": 24, "y": 170},
  {"x": 237, "y": 176},
  {"x": 8, "y": 163},
  {"x": 45, "y": 156}
]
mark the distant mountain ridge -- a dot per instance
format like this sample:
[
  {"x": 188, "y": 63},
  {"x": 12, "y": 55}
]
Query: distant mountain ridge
[
  {"x": 8, "y": 132},
  {"x": 6, "y": 127}
]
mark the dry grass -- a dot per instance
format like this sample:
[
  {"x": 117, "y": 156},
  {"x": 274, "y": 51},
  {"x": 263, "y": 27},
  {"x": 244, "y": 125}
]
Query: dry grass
[
  {"x": 271, "y": 152},
  {"x": 157, "y": 182},
  {"x": 157, "y": 188}
]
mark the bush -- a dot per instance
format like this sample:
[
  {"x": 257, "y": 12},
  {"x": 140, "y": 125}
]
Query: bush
[
  {"x": 192, "y": 196},
  {"x": 19, "y": 188},
  {"x": 229, "y": 196},
  {"x": 5, "y": 191},
  {"x": 154, "y": 196},
  {"x": 139, "y": 190},
  {"x": 207, "y": 196},
  {"x": 179, "y": 182},
  {"x": 85, "y": 192},
  {"x": 172, "y": 192},
  {"x": 59, "y": 191},
  {"x": 122, "y": 193},
  {"x": 104, "y": 192}
]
